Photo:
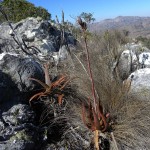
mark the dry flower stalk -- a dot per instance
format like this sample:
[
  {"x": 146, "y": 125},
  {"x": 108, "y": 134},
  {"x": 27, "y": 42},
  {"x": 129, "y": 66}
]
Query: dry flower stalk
[{"x": 96, "y": 119}]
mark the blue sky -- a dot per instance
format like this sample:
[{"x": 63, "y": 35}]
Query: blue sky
[{"x": 101, "y": 9}]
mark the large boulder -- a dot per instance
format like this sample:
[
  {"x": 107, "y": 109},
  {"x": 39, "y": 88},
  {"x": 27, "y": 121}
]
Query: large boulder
[
  {"x": 140, "y": 84},
  {"x": 128, "y": 63},
  {"x": 20, "y": 70}
]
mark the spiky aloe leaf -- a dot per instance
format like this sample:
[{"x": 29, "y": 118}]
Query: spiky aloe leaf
[
  {"x": 40, "y": 82},
  {"x": 59, "y": 81},
  {"x": 89, "y": 126},
  {"x": 101, "y": 116},
  {"x": 90, "y": 114},
  {"x": 96, "y": 120},
  {"x": 35, "y": 96}
]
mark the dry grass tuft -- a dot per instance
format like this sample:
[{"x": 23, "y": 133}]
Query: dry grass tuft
[{"x": 132, "y": 125}]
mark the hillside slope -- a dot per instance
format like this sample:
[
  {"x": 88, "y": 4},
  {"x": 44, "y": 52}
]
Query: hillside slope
[{"x": 137, "y": 26}]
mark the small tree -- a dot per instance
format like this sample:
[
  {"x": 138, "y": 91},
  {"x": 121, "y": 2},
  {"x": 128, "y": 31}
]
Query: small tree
[{"x": 88, "y": 17}]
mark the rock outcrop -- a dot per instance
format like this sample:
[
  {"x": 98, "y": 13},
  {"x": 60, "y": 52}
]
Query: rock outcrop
[
  {"x": 24, "y": 47},
  {"x": 33, "y": 35},
  {"x": 134, "y": 57}
]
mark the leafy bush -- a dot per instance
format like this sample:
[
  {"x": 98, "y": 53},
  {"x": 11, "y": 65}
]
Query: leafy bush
[{"x": 17, "y": 10}]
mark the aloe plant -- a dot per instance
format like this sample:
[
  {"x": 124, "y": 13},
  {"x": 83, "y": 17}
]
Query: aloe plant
[{"x": 50, "y": 87}]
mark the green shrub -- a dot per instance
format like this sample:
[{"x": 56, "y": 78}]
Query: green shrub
[{"x": 17, "y": 10}]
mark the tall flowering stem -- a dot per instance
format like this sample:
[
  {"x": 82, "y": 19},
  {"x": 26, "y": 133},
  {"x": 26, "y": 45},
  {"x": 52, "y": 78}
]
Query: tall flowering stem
[
  {"x": 84, "y": 27},
  {"x": 95, "y": 120}
]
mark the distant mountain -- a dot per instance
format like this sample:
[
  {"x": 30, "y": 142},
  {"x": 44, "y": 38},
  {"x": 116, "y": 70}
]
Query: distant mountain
[{"x": 137, "y": 26}]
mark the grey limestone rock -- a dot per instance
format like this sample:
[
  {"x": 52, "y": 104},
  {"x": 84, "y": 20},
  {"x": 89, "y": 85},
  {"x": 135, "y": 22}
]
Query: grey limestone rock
[{"x": 20, "y": 70}]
